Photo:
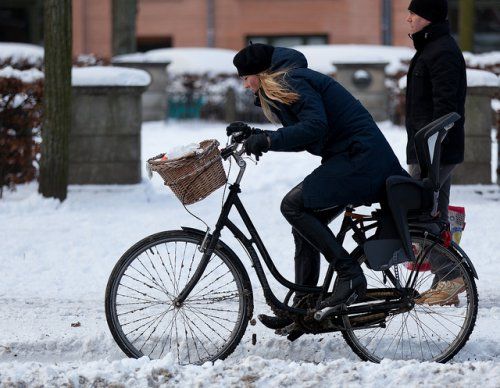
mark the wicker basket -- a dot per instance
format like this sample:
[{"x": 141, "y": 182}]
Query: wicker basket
[{"x": 192, "y": 177}]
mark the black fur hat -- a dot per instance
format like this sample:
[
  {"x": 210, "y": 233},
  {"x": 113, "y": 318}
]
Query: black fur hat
[
  {"x": 433, "y": 10},
  {"x": 253, "y": 59}
]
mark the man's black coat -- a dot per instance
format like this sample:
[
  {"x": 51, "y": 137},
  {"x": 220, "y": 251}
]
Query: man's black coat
[
  {"x": 436, "y": 85},
  {"x": 329, "y": 122}
]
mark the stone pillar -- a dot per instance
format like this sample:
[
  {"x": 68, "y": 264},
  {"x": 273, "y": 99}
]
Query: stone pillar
[
  {"x": 230, "y": 114},
  {"x": 497, "y": 121},
  {"x": 154, "y": 100},
  {"x": 476, "y": 168},
  {"x": 105, "y": 136},
  {"x": 366, "y": 82}
]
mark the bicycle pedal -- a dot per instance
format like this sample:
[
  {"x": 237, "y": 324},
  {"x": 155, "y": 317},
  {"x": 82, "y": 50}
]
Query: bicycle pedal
[
  {"x": 287, "y": 329},
  {"x": 328, "y": 311}
]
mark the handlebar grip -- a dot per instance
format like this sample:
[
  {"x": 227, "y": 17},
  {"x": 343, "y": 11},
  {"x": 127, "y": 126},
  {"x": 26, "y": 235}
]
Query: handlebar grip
[{"x": 226, "y": 152}]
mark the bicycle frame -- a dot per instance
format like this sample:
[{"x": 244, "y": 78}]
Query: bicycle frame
[
  {"x": 209, "y": 244},
  {"x": 350, "y": 222},
  {"x": 233, "y": 200}
]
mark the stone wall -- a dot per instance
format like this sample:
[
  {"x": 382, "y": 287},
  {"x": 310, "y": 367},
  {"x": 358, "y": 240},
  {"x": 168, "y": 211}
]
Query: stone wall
[
  {"x": 366, "y": 81},
  {"x": 496, "y": 117},
  {"x": 105, "y": 136},
  {"x": 154, "y": 100},
  {"x": 476, "y": 168}
]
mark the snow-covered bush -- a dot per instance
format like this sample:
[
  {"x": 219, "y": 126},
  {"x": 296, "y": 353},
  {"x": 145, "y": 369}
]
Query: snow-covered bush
[
  {"x": 21, "y": 90},
  {"x": 20, "y": 121},
  {"x": 486, "y": 61},
  {"x": 85, "y": 60},
  {"x": 211, "y": 96},
  {"x": 397, "y": 96},
  {"x": 21, "y": 56}
]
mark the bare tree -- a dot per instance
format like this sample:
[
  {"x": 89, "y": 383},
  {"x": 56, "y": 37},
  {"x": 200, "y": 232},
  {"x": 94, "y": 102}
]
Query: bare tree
[
  {"x": 466, "y": 11},
  {"x": 124, "y": 15},
  {"x": 57, "y": 99}
]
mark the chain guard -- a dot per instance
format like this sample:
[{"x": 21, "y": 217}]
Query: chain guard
[{"x": 309, "y": 325}]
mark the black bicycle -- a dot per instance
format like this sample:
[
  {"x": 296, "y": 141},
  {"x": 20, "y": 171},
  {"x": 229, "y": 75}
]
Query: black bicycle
[{"x": 186, "y": 292}]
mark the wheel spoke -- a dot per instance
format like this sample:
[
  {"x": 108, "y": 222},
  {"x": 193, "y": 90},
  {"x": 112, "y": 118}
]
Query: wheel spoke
[
  {"x": 147, "y": 321},
  {"x": 141, "y": 293},
  {"x": 162, "y": 290},
  {"x": 425, "y": 332},
  {"x": 138, "y": 309}
]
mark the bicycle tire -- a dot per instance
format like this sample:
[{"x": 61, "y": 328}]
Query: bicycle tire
[
  {"x": 208, "y": 325},
  {"x": 441, "y": 323}
]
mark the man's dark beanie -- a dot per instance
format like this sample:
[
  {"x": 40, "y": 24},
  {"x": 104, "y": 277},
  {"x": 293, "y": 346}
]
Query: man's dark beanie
[
  {"x": 253, "y": 59},
  {"x": 433, "y": 10}
]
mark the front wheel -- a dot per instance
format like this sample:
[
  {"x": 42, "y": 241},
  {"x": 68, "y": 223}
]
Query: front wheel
[
  {"x": 143, "y": 317},
  {"x": 436, "y": 327}
]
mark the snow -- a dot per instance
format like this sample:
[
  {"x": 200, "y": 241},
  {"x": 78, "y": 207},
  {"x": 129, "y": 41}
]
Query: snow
[
  {"x": 323, "y": 57},
  {"x": 495, "y": 105},
  {"x": 56, "y": 259},
  {"x": 187, "y": 60},
  {"x": 475, "y": 78},
  {"x": 20, "y": 52},
  {"x": 109, "y": 76},
  {"x": 482, "y": 60},
  {"x": 183, "y": 150},
  {"x": 256, "y": 371},
  {"x": 199, "y": 60},
  {"x": 26, "y": 76}
]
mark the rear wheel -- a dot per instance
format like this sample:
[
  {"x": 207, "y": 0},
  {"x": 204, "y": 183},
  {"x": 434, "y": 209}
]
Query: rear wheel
[
  {"x": 140, "y": 295},
  {"x": 434, "y": 329}
]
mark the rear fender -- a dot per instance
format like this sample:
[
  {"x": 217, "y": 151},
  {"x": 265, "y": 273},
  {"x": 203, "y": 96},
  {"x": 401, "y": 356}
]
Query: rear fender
[{"x": 453, "y": 246}]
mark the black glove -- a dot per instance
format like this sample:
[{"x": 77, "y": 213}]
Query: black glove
[
  {"x": 257, "y": 144},
  {"x": 244, "y": 130},
  {"x": 239, "y": 126}
]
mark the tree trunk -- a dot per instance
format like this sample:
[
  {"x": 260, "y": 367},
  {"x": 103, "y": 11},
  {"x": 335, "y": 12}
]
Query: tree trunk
[
  {"x": 124, "y": 16},
  {"x": 57, "y": 99},
  {"x": 466, "y": 11}
]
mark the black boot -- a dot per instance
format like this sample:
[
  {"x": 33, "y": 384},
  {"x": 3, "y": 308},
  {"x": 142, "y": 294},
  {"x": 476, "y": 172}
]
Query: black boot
[
  {"x": 274, "y": 322},
  {"x": 300, "y": 300},
  {"x": 350, "y": 286}
]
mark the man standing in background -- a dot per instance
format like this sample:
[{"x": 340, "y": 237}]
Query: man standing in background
[{"x": 436, "y": 85}]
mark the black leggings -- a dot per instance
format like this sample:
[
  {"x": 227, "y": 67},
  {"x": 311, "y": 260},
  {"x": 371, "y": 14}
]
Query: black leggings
[{"x": 312, "y": 236}]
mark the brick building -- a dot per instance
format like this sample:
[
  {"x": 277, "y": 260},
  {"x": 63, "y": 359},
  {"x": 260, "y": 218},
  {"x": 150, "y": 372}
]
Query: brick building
[{"x": 231, "y": 23}]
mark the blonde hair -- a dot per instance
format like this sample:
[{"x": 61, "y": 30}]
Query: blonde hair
[{"x": 273, "y": 87}]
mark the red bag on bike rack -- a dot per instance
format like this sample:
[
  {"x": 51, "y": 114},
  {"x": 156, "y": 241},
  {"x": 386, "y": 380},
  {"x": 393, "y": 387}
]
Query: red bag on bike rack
[{"x": 456, "y": 215}]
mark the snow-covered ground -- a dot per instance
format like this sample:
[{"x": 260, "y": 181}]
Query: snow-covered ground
[{"x": 55, "y": 260}]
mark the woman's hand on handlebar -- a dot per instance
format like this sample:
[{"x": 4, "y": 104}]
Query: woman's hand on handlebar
[
  {"x": 257, "y": 144},
  {"x": 255, "y": 141},
  {"x": 241, "y": 131}
]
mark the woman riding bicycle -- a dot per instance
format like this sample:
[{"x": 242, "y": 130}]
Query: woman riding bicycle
[{"x": 319, "y": 116}]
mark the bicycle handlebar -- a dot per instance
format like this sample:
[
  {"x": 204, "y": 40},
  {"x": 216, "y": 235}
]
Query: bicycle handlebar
[{"x": 232, "y": 149}]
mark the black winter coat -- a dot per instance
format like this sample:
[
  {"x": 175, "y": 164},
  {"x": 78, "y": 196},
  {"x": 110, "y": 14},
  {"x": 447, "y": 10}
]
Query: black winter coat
[
  {"x": 329, "y": 122},
  {"x": 436, "y": 85}
]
